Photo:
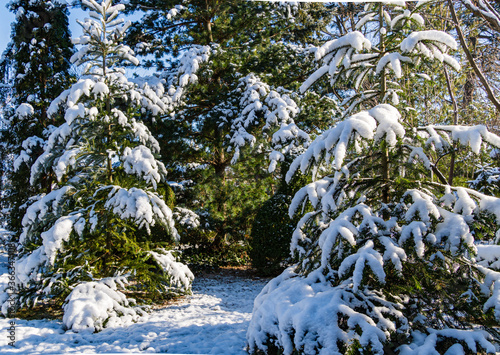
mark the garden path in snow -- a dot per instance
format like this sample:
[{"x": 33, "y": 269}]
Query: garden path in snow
[{"x": 213, "y": 320}]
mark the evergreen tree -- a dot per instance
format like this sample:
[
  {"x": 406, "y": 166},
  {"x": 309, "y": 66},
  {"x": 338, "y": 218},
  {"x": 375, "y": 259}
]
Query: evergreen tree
[
  {"x": 36, "y": 67},
  {"x": 386, "y": 256},
  {"x": 220, "y": 97},
  {"x": 84, "y": 237}
]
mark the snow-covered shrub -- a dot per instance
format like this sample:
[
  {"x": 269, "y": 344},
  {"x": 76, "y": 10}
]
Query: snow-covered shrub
[
  {"x": 386, "y": 255},
  {"x": 98, "y": 220},
  {"x": 94, "y": 305}
]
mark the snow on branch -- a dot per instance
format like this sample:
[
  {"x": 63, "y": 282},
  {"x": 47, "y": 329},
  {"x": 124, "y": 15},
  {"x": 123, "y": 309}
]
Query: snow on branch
[
  {"x": 488, "y": 256},
  {"x": 259, "y": 104},
  {"x": 472, "y": 136},
  {"x": 377, "y": 123},
  {"x": 484, "y": 9},
  {"x": 365, "y": 255},
  {"x": 141, "y": 162},
  {"x": 143, "y": 207},
  {"x": 50, "y": 203},
  {"x": 336, "y": 52},
  {"x": 181, "y": 276},
  {"x": 186, "y": 218},
  {"x": 393, "y": 61},
  {"x": 427, "y": 344},
  {"x": 28, "y": 148},
  {"x": 185, "y": 71},
  {"x": 432, "y": 44},
  {"x": 491, "y": 289},
  {"x": 27, "y": 267}
]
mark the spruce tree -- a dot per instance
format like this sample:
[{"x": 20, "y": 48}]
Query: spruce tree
[
  {"x": 36, "y": 67},
  {"x": 86, "y": 236},
  {"x": 387, "y": 253}
]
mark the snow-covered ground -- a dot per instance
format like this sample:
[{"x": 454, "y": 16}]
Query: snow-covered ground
[{"x": 213, "y": 320}]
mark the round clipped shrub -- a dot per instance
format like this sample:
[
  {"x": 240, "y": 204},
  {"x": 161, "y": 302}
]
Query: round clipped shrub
[
  {"x": 270, "y": 237},
  {"x": 272, "y": 228}
]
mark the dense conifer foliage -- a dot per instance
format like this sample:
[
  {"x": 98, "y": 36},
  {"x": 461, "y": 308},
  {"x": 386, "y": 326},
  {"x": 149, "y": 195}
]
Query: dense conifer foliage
[
  {"x": 35, "y": 68},
  {"x": 222, "y": 93}
]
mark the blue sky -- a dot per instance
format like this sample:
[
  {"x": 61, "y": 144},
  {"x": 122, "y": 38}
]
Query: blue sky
[
  {"x": 5, "y": 20},
  {"x": 7, "y": 17}
]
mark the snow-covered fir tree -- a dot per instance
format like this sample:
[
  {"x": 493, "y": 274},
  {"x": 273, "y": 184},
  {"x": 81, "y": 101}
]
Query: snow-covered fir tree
[
  {"x": 387, "y": 253},
  {"x": 103, "y": 227},
  {"x": 36, "y": 68}
]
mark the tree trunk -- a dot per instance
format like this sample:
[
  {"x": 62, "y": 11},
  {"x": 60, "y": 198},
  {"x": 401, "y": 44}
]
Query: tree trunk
[{"x": 383, "y": 89}]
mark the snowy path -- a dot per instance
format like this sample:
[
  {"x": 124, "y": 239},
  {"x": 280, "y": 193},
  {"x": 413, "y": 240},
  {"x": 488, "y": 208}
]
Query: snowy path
[{"x": 213, "y": 320}]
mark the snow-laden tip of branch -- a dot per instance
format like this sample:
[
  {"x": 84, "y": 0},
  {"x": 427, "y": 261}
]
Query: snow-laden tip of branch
[
  {"x": 46, "y": 204},
  {"x": 64, "y": 162},
  {"x": 387, "y": 117},
  {"x": 186, "y": 218},
  {"x": 175, "y": 11},
  {"x": 354, "y": 40},
  {"x": 344, "y": 47},
  {"x": 334, "y": 142},
  {"x": 365, "y": 255},
  {"x": 27, "y": 267},
  {"x": 422, "y": 206},
  {"x": 185, "y": 74},
  {"x": 418, "y": 152},
  {"x": 417, "y": 229},
  {"x": 472, "y": 136},
  {"x": 491, "y": 288},
  {"x": 433, "y": 45},
  {"x": 181, "y": 276},
  {"x": 407, "y": 16},
  {"x": 410, "y": 42},
  {"x": 313, "y": 78},
  {"x": 24, "y": 110},
  {"x": 454, "y": 232},
  {"x": 258, "y": 105},
  {"x": 141, "y": 162},
  {"x": 392, "y": 60}
]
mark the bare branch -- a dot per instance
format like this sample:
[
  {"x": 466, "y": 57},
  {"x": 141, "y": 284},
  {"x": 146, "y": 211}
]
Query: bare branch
[{"x": 478, "y": 72}]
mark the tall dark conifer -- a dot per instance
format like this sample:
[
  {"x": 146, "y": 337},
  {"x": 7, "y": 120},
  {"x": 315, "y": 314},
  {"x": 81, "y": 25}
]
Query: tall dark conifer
[{"x": 35, "y": 68}]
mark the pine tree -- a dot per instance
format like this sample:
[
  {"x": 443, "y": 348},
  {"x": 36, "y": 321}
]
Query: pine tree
[
  {"x": 84, "y": 238},
  {"x": 221, "y": 94},
  {"x": 36, "y": 67},
  {"x": 386, "y": 256}
]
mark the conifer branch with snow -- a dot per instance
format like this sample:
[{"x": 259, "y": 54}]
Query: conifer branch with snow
[
  {"x": 386, "y": 255},
  {"x": 105, "y": 216}
]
